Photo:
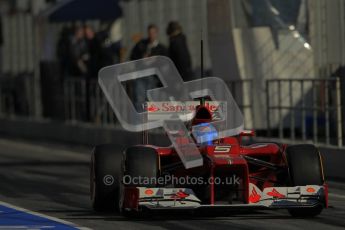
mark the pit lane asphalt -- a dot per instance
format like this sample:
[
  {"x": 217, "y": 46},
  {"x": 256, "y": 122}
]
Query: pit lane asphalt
[{"x": 53, "y": 179}]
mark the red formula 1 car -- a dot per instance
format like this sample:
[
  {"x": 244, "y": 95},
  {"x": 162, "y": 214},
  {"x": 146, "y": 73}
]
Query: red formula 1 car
[{"x": 234, "y": 176}]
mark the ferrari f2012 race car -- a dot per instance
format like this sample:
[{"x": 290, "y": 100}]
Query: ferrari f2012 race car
[
  {"x": 233, "y": 176},
  {"x": 208, "y": 166}
]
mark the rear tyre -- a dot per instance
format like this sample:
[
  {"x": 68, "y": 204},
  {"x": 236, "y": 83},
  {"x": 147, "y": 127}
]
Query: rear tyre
[
  {"x": 305, "y": 168},
  {"x": 105, "y": 173}
]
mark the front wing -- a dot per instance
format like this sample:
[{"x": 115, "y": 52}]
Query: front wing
[{"x": 139, "y": 198}]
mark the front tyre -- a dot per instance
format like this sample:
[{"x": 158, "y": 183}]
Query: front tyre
[
  {"x": 141, "y": 168},
  {"x": 305, "y": 168},
  {"x": 105, "y": 170}
]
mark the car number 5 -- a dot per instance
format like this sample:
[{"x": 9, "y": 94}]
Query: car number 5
[{"x": 222, "y": 149}]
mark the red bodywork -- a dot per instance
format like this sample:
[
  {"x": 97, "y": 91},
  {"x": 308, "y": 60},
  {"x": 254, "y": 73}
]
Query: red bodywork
[
  {"x": 258, "y": 166},
  {"x": 238, "y": 165}
]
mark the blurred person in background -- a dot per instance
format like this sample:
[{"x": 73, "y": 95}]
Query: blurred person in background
[
  {"x": 147, "y": 47},
  {"x": 80, "y": 58},
  {"x": 94, "y": 48},
  {"x": 93, "y": 64},
  {"x": 109, "y": 50},
  {"x": 80, "y": 53},
  {"x": 178, "y": 50},
  {"x": 64, "y": 53},
  {"x": 114, "y": 40},
  {"x": 1, "y": 44}
]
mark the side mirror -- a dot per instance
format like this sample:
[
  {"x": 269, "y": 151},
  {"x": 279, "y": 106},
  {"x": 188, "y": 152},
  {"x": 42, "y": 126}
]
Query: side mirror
[{"x": 247, "y": 133}]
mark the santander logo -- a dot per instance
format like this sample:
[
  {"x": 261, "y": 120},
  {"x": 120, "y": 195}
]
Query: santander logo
[
  {"x": 180, "y": 195},
  {"x": 152, "y": 108},
  {"x": 189, "y": 106},
  {"x": 275, "y": 194},
  {"x": 254, "y": 197}
]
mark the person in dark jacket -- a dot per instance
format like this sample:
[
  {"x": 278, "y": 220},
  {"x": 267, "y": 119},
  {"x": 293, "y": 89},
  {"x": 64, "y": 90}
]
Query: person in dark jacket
[
  {"x": 95, "y": 53},
  {"x": 80, "y": 53},
  {"x": 109, "y": 51},
  {"x": 149, "y": 46},
  {"x": 178, "y": 50},
  {"x": 146, "y": 48},
  {"x": 1, "y": 44},
  {"x": 64, "y": 52},
  {"x": 1, "y": 34}
]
